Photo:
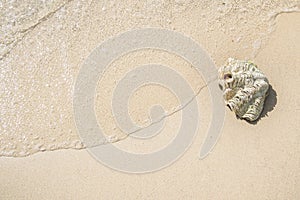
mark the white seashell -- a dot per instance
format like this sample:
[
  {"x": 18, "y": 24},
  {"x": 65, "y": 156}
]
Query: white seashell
[{"x": 244, "y": 88}]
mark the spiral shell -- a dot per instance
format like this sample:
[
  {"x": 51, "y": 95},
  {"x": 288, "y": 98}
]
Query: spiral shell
[{"x": 244, "y": 87}]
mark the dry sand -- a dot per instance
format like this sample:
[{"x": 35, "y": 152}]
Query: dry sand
[{"x": 259, "y": 161}]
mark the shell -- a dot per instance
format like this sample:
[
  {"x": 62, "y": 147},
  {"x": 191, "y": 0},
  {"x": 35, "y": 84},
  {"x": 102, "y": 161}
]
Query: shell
[{"x": 244, "y": 87}]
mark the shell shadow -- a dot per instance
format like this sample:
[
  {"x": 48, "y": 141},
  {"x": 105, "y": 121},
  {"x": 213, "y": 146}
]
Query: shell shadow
[{"x": 269, "y": 105}]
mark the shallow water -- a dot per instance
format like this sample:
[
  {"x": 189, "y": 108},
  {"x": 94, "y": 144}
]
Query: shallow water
[{"x": 43, "y": 45}]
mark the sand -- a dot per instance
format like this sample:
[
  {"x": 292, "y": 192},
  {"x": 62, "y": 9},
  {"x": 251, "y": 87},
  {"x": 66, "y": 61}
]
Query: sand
[{"x": 259, "y": 161}]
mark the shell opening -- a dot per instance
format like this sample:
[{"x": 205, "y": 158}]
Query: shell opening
[{"x": 228, "y": 76}]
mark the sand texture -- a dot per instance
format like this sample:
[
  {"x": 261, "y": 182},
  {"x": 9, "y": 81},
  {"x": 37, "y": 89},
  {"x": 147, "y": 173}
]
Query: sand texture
[{"x": 43, "y": 46}]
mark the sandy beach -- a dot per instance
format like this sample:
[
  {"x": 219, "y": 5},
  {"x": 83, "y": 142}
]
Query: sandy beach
[{"x": 42, "y": 156}]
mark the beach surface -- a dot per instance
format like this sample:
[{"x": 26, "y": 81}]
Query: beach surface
[{"x": 42, "y": 156}]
